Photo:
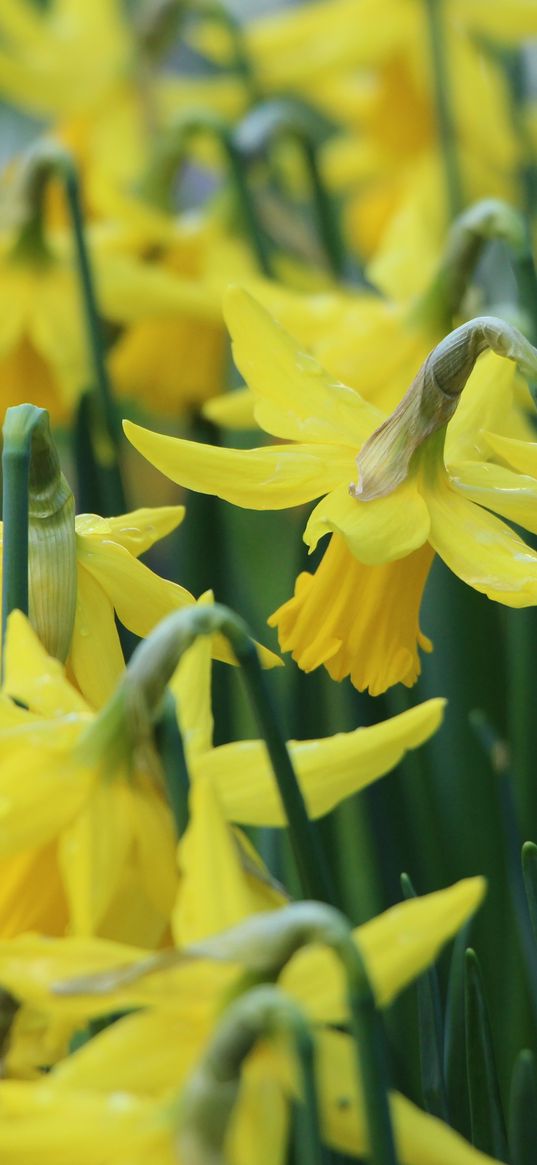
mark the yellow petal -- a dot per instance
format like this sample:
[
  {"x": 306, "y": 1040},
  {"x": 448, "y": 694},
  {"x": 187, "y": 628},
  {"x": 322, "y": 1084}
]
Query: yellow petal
[
  {"x": 294, "y": 397},
  {"x": 397, "y": 946},
  {"x": 506, "y": 22},
  {"x": 232, "y": 410},
  {"x": 41, "y": 791},
  {"x": 140, "y": 597},
  {"x": 95, "y": 659},
  {"x": 511, "y": 494},
  {"x": 270, "y": 478},
  {"x": 217, "y": 888},
  {"x": 33, "y": 676},
  {"x": 131, "y": 290},
  {"x": 148, "y": 1053},
  {"x": 375, "y": 531},
  {"x": 92, "y": 853},
  {"x": 31, "y": 894},
  {"x": 480, "y": 549},
  {"x": 420, "y": 1139},
  {"x": 136, "y": 531},
  {"x": 328, "y": 770},
  {"x": 153, "y": 837},
  {"x": 358, "y": 620},
  {"x": 42, "y": 1123},
  {"x": 521, "y": 455}
]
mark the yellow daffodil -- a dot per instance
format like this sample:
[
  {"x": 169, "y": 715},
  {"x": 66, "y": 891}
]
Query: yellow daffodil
[
  {"x": 80, "y": 816},
  {"x": 111, "y": 580},
  {"x": 358, "y": 615},
  {"x": 222, "y": 877},
  {"x": 43, "y": 341},
  {"x": 150, "y": 1056},
  {"x": 64, "y": 784},
  {"x": 397, "y": 946}
]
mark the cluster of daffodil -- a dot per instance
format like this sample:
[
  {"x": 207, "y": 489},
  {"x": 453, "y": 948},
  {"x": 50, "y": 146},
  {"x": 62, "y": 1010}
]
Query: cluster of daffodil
[{"x": 307, "y": 232}]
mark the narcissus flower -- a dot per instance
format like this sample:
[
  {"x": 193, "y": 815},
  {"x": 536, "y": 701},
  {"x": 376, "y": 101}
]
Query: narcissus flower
[
  {"x": 82, "y": 978},
  {"x": 110, "y": 581},
  {"x": 81, "y": 800},
  {"x": 424, "y": 486},
  {"x": 43, "y": 339},
  {"x": 222, "y": 878}
]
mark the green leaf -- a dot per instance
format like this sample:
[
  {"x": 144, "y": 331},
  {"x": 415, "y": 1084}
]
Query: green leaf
[
  {"x": 430, "y": 1028},
  {"x": 486, "y": 1114},
  {"x": 522, "y": 1110}
]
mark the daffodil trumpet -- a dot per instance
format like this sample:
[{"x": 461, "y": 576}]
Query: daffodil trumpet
[
  {"x": 44, "y": 163},
  {"x": 208, "y": 1099},
  {"x": 142, "y": 689},
  {"x": 39, "y": 538},
  {"x": 156, "y": 185}
]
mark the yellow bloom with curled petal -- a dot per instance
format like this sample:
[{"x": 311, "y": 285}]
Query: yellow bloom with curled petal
[
  {"x": 112, "y": 581},
  {"x": 397, "y": 946},
  {"x": 99, "y": 1123},
  {"x": 80, "y": 803},
  {"x": 358, "y": 615},
  {"x": 43, "y": 336},
  {"x": 222, "y": 878}
]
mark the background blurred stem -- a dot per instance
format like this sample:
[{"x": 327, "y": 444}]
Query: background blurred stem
[
  {"x": 444, "y": 114},
  {"x": 111, "y": 434}
]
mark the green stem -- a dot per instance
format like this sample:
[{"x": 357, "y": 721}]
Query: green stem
[
  {"x": 370, "y": 1047},
  {"x": 261, "y": 130},
  {"x": 488, "y": 1126},
  {"x": 155, "y": 184},
  {"x": 20, "y": 424},
  {"x": 103, "y": 388},
  {"x": 522, "y": 1104},
  {"x": 446, "y": 127},
  {"x": 430, "y": 1033},
  {"x": 169, "y": 743},
  {"x": 152, "y": 665},
  {"x": 307, "y": 1117},
  {"x": 498, "y": 756}
]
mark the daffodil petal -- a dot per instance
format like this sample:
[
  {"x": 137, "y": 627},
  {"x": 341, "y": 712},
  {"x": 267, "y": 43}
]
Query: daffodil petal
[
  {"x": 509, "y": 493},
  {"x": 271, "y": 478},
  {"x": 95, "y": 659},
  {"x": 328, "y": 770},
  {"x": 139, "y": 529},
  {"x": 294, "y": 397},
  {"x": 217, "y": 888},
  {"x": 153, "y": 836},
  {"x": 33, "y": 676},
  {"x": 520, "y": 455},
  {"x": 171, "y": 1040},
  {"x": 480, "y": 549},
  {"x": 92, "y": 853},
  {"x": 130, "y": 290},
  {"x": 232, "y": 410},
  {"x": 140, "y": 597},
  {"x": 397, "y": 946},
  {"x": 34, "y": 1116},
  {"x": 40, "y": 792},
  {"x": 376, "y": 531},
  {"x": 31, "y": 893},
  {"x": 420, "y": 1139}
]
